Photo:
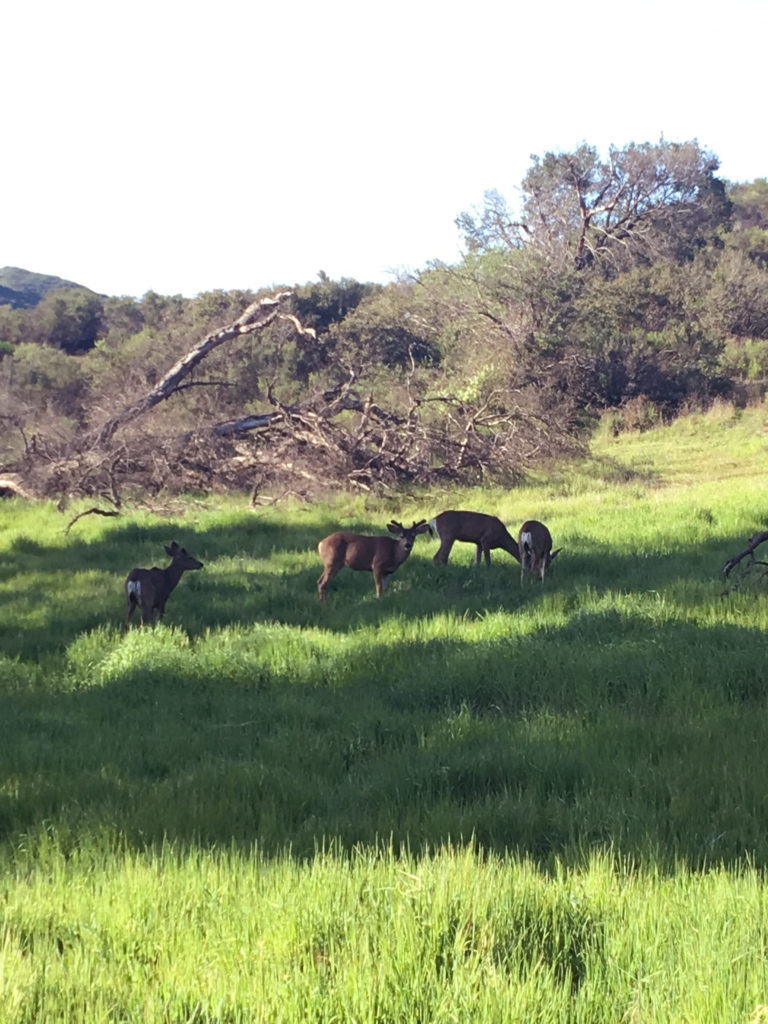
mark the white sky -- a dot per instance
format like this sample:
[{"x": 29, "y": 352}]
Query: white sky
[{"x": 182, "y": 147}]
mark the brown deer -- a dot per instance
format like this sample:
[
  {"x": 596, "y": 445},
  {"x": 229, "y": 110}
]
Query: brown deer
[
  {"x": 379, "y": 555},
  {"x": 536, "y": 554},
  {"x": 149, "y": 589},
  {"x": 486, "y": 532}
]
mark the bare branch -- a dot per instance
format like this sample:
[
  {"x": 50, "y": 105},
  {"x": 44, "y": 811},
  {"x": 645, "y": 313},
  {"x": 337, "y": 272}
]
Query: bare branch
[
  {"x": 759, "y": 538},
  {"x": 91, "y": 512},
  {"x": 256, "y": 317}
]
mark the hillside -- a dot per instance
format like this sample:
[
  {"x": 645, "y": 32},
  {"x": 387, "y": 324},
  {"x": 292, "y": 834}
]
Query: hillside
[{"x": 23, "y": 289}]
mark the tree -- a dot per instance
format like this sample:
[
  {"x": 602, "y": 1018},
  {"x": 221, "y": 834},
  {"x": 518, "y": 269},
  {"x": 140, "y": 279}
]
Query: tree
[
  {"x": 386, "y": 329},
  {"x": 69, "y": 319},
  {"x": 580, "y": 209},
  {"x": 750, "y": 220}
]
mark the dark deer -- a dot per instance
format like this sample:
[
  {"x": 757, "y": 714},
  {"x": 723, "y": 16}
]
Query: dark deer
[
  {"x": 379, "y": 555},
  {"x": 536, "y": 554},
  {"x": 486, "y": 532},
  {"x": 149, "y": 589}
]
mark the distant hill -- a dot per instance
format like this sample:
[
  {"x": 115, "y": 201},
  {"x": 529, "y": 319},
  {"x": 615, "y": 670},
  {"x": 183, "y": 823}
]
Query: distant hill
[{"x": 23, "y": 289}]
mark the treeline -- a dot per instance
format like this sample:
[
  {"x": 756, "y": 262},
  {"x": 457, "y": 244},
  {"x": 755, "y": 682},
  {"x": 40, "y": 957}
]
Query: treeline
[{"x": 635, "y": 282}]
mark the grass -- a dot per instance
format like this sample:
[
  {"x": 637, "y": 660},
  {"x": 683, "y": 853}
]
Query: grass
[{"x": 470, "y": 800}]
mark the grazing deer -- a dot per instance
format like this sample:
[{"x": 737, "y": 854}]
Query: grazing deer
[
  {"x": 487, "y": 532},
  {"x": 536, "y": 554},
  {"x": 379, "y": 555},
  {"x": 151, "y": 588}
]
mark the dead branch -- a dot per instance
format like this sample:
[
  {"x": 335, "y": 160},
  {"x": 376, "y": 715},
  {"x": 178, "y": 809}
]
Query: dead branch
[
  {"x": 759, "y": 538},
  {"x": 91, "y": 512},
  {"x": 256, "y": 317},
  {"x": 12, "y": 486},
  {"x": 243, "y": 425},
  {"x": 18, "y": 424}
]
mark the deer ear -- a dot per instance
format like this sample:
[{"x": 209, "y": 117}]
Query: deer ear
[
  {"x": 554, "y": 555},
  {"x": 172, "y": 548},
  {"x": 421, "y": 527},
  {"x": 395, "y": 528}
]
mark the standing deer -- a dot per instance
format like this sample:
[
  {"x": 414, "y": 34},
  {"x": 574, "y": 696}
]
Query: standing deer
[
  {"x": 379, "y": 555},
  {"x": 536, "y": 554},
  {"x": 151, "y": 588},
  {"x": 486, "y": 532}
]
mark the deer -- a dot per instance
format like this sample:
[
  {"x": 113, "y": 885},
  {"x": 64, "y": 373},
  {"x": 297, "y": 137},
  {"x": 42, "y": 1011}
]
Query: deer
[
  {"x": 536, "y": 554},
  {"x": 149, "y": 589},
  {"x": 486, "y": 532},
  {"x": 379, "y": 555}
]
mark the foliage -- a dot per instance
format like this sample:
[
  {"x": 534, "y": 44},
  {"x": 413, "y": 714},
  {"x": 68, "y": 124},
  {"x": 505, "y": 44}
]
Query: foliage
[
  {"x": 325, "y": 303},
  {"x": 579, "y": 208},
  {"x": 388, "y": 329},
  {"x": 750, "y": 219},
  {"x": 70, "y": 320},
  {"x": 635, "y": 282}
]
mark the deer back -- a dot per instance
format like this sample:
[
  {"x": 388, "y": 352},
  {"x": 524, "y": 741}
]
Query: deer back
[
  {"x": 474, "y": 528},
  {"x": 355, "y": 550}
]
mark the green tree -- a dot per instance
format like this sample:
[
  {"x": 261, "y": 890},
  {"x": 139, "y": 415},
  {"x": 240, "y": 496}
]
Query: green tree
[
  {"x": 323, "y": 303},
  {"x": 122, "y": 317},
  {"x": 580, "y": 209},
  {"x": 69, "y": 319},
  {"x": 11, "y": 326},
  {"x": 750, "y": 219},
  {"x": 386, "y": 329}
]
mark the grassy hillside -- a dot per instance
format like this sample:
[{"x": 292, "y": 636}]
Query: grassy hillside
[{"x": 470, "y": 800}]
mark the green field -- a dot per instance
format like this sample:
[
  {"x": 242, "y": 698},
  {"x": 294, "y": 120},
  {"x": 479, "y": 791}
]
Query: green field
[{"x": 468, "y": 801}]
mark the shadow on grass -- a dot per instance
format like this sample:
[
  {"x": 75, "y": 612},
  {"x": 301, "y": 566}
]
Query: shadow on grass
[
  {"x": 611, "y": 730},
  {"x": 34, "y": 618}
]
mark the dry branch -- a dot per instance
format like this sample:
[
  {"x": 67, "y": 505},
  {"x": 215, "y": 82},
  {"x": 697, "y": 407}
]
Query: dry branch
[
  {"x": 12, "y": 486},
  {"x": 91, "y": 512},
  {"x": 756, "y": 541},
  {"x": 255, "y": 318}
]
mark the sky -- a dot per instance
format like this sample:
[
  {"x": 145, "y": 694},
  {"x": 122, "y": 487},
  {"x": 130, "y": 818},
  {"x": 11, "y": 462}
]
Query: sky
[{"x": 186, "y": 147}]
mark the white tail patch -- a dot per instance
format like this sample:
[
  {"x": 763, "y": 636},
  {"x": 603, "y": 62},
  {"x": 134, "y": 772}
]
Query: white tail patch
[
  {"x": 434, "y": 530},
  {"x": 134, "y": 590},
  {"x": 526, "y": 539}
]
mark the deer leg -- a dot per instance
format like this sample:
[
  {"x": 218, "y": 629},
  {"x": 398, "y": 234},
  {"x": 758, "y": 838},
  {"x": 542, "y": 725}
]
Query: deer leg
[
  {"x": 444, "y": 551},
  {"x": 328, "y": 573},
  {"x": 526, "y": 562},
  {"x": 380, "y": 579},
  {"x": 382, "y": 583}
]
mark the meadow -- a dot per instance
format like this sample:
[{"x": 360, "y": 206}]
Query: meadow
[{"x": 470, "y": 800}]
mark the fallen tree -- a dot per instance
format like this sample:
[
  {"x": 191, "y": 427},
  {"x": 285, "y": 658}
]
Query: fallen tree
[
  {"x": 256, "y": 317},
  {"x": 339, "y": 435}
]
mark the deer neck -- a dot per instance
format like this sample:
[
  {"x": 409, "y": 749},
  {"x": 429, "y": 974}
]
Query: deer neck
[{"x": 173, "y": 574}]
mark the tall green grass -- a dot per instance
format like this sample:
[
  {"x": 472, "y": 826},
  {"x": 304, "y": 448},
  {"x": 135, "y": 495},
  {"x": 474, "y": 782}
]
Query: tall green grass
[
  {"x": 470, "y": 800},
  {"x": 225, "y": 935}
]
